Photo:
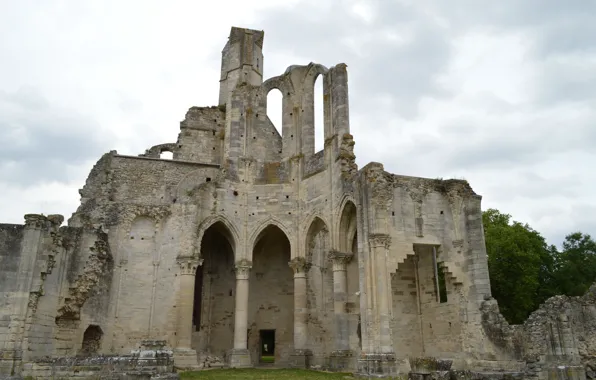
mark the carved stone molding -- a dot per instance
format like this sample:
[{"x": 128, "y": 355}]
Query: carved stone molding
[
  {"x": 130, "y": 212},
  {"x": 340, "y": 259},
  {"x": 188, "y": 264},
  {"x": 35, "y": 220},
  {"x": 243, "y": 268},
  {"x": 299, "y": 265},
  {"x": 379, "y": 240}
]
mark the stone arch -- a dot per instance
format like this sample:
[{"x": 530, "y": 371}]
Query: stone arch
[
  {"x": 257, "y": 234},
  {"x": 347, "y": 226},
  {"x": 271, "y": 294},
  {"x": 314, "y": 70},
  {"x": 214, "y": 288},
  {"x": 156, "y": 150},
  {"x": 92, "y": 340},
  {"x": 319, "y": 279},
  {"x": 308, "y": 221},
  {"x": 142, "y": 227},
  {"x": 279, "y": 82},
  {"x": 132, "y": 212},
  {"x": 284, "y": 85},
  {"x": 317, "y": 237},
  {"x": 231, "y": 233}
]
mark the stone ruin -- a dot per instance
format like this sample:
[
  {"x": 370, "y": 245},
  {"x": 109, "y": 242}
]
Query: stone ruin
[{"x": 249, "y": 248}]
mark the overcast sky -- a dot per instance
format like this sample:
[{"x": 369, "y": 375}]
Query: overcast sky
[{"x": 501, "y": 93}]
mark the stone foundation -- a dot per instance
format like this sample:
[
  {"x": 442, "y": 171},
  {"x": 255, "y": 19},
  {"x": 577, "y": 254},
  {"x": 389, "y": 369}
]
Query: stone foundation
[
  {"x": 151, "y": 361},
  {"x": 301, "y": 359},
  {"x": 240, "y": 359},
  {"x": 377, "y": 365},
  {"x": 185, "y": 359},
  {"x": 341, "y": 361}
]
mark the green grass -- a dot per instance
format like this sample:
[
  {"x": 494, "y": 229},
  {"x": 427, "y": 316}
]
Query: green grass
[
  {"x": 263, "y": 374},
  {"x": 267, "y": 359}
]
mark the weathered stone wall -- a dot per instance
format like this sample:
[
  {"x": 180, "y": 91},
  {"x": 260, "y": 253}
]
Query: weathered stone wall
[
  {"x": 406, "y": 321},
  {"x": 557, "y": 339},
  {"x": 84, "y": 288},
  {"x": 11, "y": 240},
  {"x": 319, "y": 293},
  {"x": 53, "y": 274},
  {"x": 201, "y": 135},
  {"x": 406, "y": 215}
]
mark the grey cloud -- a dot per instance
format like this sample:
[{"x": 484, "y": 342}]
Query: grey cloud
[
  {"x": 405, "y": 71},
  {"x": 42, "y": 142}
]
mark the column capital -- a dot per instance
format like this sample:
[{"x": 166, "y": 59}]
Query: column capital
[
  {"x": 379, "y": 240},
  {"x": 188, "y": 264},
  {"x": 243, "y": 269},
  {"x": 35, "y": 220},
  {"x": 299, "y": 265},
  {"x": 340, "y": 259}
]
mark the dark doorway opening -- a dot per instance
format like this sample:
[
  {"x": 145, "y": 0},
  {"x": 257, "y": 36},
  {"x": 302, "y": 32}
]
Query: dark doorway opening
[{"x": 267, "y": 346}]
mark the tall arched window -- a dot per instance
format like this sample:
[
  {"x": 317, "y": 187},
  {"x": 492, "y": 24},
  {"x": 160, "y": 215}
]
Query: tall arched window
[
  {"x": 275, "y": 108},
  {"x": 319, "y": 114}
]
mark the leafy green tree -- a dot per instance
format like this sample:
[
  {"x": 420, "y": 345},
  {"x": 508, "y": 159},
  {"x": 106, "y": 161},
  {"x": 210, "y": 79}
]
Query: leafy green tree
[
  {"x": 576, "y": 264},
  {"x": 520, "y": 263}
]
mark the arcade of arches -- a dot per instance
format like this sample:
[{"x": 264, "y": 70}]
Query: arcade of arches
[{"x": 273, "y": 308}]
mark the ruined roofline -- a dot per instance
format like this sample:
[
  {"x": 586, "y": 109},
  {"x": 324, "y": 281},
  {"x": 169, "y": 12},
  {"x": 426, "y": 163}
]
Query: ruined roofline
[{"x": 437, "y": 183}]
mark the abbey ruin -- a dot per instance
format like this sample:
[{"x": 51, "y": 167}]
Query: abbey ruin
[{"x": 249, "y": 247}]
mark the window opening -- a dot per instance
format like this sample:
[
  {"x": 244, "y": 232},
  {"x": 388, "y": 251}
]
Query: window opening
[
  {"x": 319, "y": 118},
  {"x": 275, "y": 109},
  {"x": 166, "y": 155}
]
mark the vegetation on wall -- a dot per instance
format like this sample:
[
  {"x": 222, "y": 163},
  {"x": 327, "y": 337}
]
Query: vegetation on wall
[{"x": 525, "y": 271}]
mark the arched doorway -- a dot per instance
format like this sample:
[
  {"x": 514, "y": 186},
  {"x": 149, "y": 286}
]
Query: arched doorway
[
  {"x": 271, "y": 298},
  {"x": 215, "y": 282}
]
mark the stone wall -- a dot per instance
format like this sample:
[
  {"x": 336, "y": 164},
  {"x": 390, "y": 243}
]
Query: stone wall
[
  {"x": 558, "y": 339},
  {"x": 11, "y": 240}
]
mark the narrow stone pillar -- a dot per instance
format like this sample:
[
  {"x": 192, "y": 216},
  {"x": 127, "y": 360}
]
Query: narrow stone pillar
[
  {"x": 184, "y": 356},
  {"x": 381, "y": 361},
  {"x": 379, "y": 244},
  {"x": 240, "y": 356},
  {"x": 341, "y": 356},
  {"x": 300, "y": 358}
]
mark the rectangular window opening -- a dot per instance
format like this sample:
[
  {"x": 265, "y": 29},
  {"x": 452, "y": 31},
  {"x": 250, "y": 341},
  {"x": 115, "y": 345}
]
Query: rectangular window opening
[{"x": 441, "y": 283}]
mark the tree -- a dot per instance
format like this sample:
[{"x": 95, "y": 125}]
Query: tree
[
  {"x": 576, "y": 264},
  {"x": 520, "y": 263}
]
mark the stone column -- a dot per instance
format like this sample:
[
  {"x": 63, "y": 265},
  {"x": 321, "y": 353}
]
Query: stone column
[
  {"x": 301, "y": 356},
  {"x": 379, "y": 244},
  {"x": 240, "y": 356},
  {"x": 341, "y": 357},
  {"x": 184, "y": 356},
  {"x": 382, "y": 360}
]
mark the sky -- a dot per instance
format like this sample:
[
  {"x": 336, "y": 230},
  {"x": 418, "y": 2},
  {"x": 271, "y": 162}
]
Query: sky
[{"x": 500, "y": 93}]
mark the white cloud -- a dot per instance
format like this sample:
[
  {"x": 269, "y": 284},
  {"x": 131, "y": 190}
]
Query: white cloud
[{"x": 502, "y": 93}]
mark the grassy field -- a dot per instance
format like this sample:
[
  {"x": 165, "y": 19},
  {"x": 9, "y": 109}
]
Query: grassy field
[{"x": 263, "y": 374}]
